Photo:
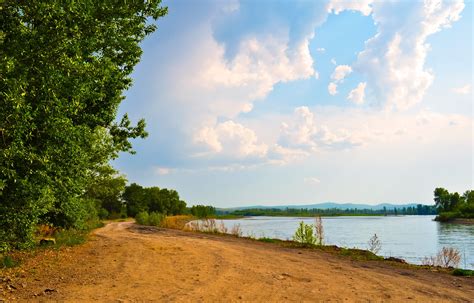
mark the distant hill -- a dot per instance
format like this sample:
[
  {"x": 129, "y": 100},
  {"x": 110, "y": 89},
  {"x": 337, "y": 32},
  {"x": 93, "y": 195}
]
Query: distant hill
[{"x": 327, "y": 205}]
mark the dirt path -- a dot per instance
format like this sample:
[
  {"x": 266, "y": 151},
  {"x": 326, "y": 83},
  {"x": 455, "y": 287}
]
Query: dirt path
[{"x": 126, "y": 263}]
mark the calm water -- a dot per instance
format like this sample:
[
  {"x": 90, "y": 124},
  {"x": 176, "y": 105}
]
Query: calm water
[{"x": 407, "y": 237}]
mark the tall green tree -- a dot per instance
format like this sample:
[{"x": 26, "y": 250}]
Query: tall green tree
[
  {"x": 64, "y": 67},
  {"x": 442, "y": 199}
]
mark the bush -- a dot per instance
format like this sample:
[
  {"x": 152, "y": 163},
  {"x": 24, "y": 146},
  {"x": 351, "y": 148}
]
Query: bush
[
  {"x": 103, "y": 214},
  {"x": 304, "y": 234},
  {"x": 446, "y": 257},
  {"x": 142, "y": 218},
  {"x": 154, "y": 219}
]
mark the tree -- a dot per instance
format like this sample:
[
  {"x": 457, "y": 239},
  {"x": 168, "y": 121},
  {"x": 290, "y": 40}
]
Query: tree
[
  {"x": 65, "y": 65},
  {"x": 106, "y": 189},
  {"x": 442, "y": 199},
  {"x": 134, "y": 198}
]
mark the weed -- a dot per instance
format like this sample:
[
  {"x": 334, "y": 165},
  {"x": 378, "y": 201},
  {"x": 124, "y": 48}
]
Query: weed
[
  {"x": 70, "y": 237},
  {"x": 304, "y": 234},
  {"x": 236, "y": 230},
  {"x": 374, "y": 244},
  {"x": 9, "y": 262},
  {"x": 319, "y": 230},
  {"x": 446, "y": 257}
]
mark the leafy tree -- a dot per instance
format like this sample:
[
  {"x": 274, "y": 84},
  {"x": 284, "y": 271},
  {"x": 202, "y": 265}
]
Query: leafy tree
[
  {"x": 64, "y": 67},
  {"x": 134, "y": 198},
  {"x": 106, "y": 189},
  {"x": 202, "y": 211},
  {"x": 442, "y": 199}
]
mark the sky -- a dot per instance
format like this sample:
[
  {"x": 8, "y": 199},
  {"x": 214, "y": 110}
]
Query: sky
[{"x": 299, "y": 102}]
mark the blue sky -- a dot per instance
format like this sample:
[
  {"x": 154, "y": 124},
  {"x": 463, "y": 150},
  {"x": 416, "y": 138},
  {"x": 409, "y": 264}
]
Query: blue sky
[{"x": 293, "y": 102}]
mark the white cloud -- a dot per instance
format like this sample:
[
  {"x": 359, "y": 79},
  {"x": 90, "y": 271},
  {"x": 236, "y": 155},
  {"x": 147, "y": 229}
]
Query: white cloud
[
  {"x": 394, "y": 58},
  {"x": 162, "y": 170},
  {"x": 463, "y": 90},
  {"x": 362, "y": 6},
  {"x": 301, "y": 133},
  {"x": 312, "y": 181},
  {"x": 333, "y": 61},
  {"x": 231, "y": 139},
  {"x": 332, "y": 88},
  {"x": 340, "y": 72},
  {"x": 321, "y": 49},
  {"x": 357, "y": 95}
]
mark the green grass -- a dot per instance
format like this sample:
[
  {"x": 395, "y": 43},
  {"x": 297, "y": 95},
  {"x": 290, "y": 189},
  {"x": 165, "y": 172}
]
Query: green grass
[
  {"x": 267, "y": 240},
  {"x": 9, "y": 262},
  {"x": 463, "y": 272},
  {"x": 70, "y": 237}
]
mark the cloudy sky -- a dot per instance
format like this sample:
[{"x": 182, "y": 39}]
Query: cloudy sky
[{"x": 288, "y": 102}]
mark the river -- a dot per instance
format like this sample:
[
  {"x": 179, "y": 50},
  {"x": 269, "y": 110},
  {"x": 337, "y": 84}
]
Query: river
[{"x": 408, "y": 237}]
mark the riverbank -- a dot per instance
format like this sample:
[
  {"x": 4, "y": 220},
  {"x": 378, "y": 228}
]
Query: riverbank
[{"x": 126, "y": 262}]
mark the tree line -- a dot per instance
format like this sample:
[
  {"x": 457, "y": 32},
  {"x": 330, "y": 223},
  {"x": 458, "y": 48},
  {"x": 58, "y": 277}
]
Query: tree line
[
  {"x": 311, "y": 212},
  {"x": 453, "y": 205}
]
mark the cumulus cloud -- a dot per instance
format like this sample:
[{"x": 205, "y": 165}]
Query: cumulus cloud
[
  {"x": 303, "y": 134},
  {"x": 362, "y": 6},
  {"x": 340, "y": 72},
  {"x": 231, "y": 139},
  {"x": 332, "y": 88},
  {"x": 357, "y": 95},
  {"x": 463, "y": 90},
  {"x": 394, "y": 58}
]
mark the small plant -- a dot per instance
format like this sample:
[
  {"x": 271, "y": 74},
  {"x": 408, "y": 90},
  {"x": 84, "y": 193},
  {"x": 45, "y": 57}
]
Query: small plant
[
  {"x": 8, "y": 262},
  {"x": 374, "y": 244},
  {"x": 319, "y": 230},
  {"x": 446, "y": 257},
  {"x": 236, "y": 230},
  {"x": 304, "y": 234}
]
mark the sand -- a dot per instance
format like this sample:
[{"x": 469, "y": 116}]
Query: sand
[{"x": 123, "y": 262}]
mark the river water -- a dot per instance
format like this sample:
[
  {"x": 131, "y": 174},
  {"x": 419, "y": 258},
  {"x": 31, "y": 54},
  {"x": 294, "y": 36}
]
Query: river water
[{"x": 408, "y": 237}]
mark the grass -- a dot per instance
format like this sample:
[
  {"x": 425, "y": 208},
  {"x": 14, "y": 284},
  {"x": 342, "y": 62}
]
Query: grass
[
  {"x": 9, "y": 262},
  {"x": 463, "y": 272}
]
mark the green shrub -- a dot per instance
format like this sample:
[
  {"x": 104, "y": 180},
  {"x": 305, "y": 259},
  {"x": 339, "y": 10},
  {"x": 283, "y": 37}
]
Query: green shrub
[
  {"x": 154, "y": 219},
  {"x": 304, "y": 234},
  {"x": 142, "y": 218},
  {"x": 103, "y": 214}
]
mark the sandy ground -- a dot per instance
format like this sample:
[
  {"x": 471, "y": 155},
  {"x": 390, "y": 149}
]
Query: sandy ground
[{"x": 127, "y": 263}]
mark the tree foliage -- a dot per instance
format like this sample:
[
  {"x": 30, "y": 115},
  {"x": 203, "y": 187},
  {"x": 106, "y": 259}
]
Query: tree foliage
[
  {"x": 454, "y": 205},
  {"x": 202, "y": 211},
  {"x": 65, "y": 65},
  {"x": 140, "y": 199}
]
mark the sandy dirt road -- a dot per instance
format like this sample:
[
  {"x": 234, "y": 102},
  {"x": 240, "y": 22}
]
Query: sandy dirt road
[{"x": 124, "y": 262}]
